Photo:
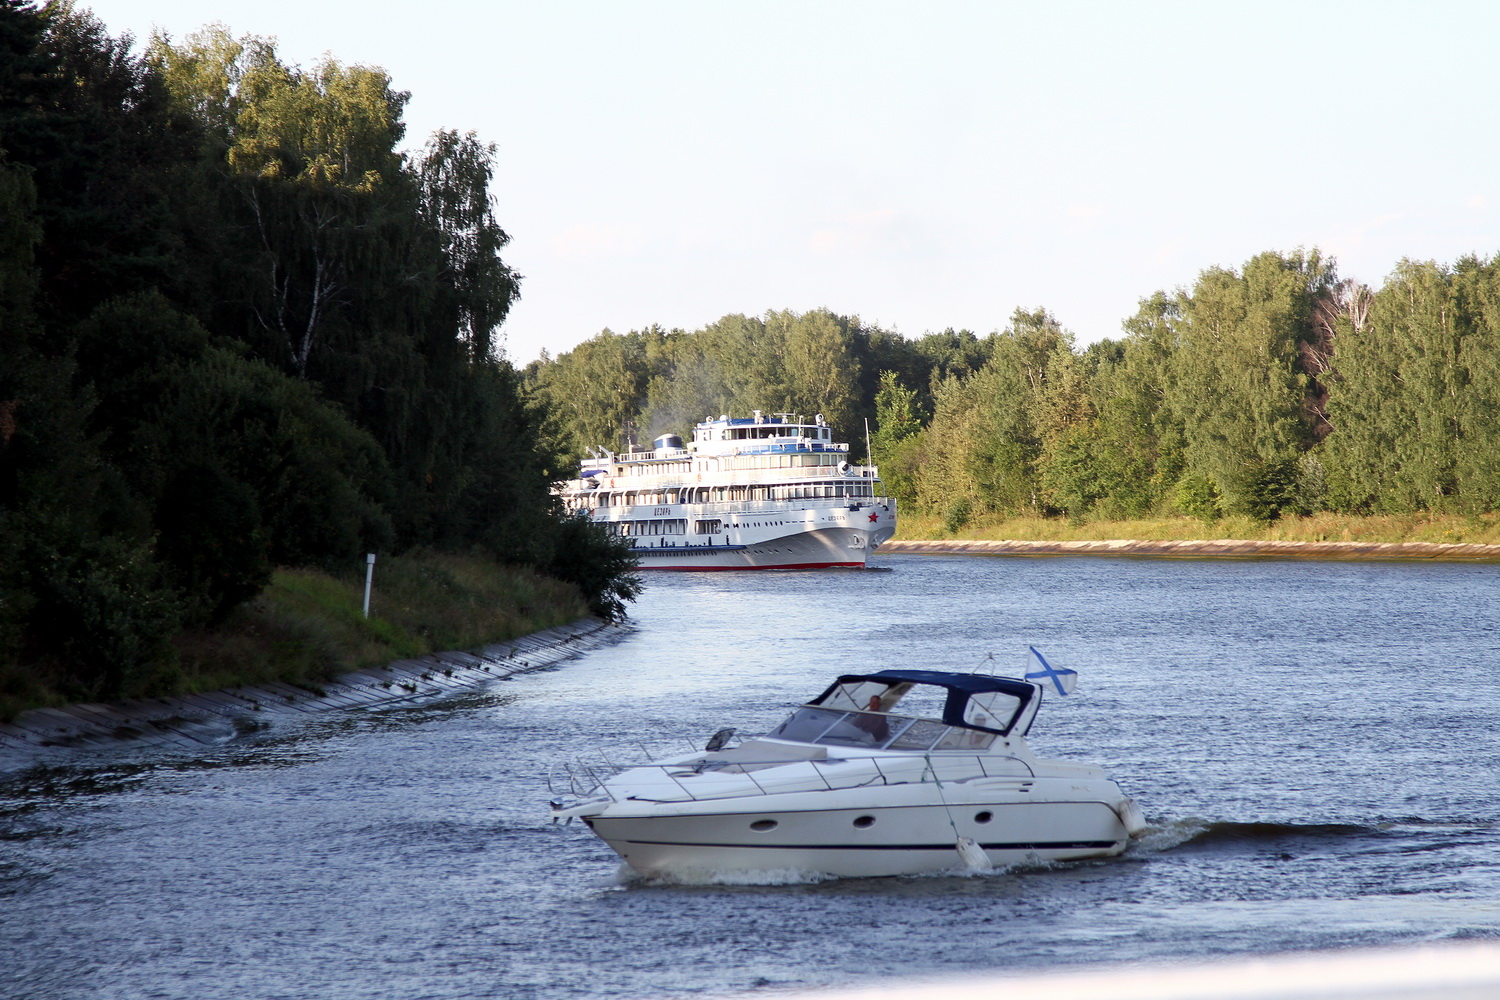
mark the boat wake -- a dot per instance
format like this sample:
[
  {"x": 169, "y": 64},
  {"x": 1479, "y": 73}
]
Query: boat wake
[
  {"x": 629, "y": 877},
  {"x": 1194, "y": 833}
]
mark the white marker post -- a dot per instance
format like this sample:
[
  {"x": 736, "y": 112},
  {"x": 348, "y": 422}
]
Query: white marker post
[{"x": 369, "y": 574}]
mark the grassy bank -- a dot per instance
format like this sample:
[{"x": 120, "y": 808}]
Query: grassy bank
[
  {"x": 308, "y": 626},
  {"x": 1452, "y": 529}
]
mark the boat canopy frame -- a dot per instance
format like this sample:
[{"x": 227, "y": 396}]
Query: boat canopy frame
[{"x": 959, "y": 687}]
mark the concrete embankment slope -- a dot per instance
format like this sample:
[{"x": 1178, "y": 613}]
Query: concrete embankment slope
[
  {"x": 193, "y": 721},
  {"x": 1223, "y": 548}
]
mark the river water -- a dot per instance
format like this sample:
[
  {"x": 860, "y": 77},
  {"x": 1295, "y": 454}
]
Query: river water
[{"x": 1316, "y": 747}]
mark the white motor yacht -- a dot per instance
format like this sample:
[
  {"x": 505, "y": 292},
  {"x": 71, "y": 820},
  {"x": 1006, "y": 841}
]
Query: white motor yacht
[{"x": 889, "y": 773}]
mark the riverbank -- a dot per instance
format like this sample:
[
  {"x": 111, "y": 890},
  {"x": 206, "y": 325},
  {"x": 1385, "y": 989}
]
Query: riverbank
[
  {"x": 1386, "y": 529},
  {"x": 308, "y": 626},
  {"x": 190, "y": 721},
  {"x": 1198, "y": 549}
]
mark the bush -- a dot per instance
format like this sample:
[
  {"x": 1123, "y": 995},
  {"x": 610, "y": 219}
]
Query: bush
[
  {"x": 960, "y": 511},
  {"x": 1196, "y": 496},
  {"x": 598, "y": 563}
]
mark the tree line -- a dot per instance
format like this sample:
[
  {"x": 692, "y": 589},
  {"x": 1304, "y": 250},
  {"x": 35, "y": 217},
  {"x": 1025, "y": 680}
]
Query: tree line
[
  {"x": 240, "y": 329},
  {"x": 1269, "y": 390}
]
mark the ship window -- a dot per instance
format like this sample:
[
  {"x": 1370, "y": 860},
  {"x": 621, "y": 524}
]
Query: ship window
[{"x": 709, "y": 527}]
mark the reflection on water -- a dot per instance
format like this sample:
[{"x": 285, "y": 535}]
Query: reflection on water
[{"x": 1316, "y": 748}]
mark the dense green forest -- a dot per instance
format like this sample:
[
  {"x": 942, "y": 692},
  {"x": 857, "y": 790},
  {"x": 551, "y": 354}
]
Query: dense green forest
[
  {"x": 241, "y": 330},
  {"x": 1275, "y": 389}
]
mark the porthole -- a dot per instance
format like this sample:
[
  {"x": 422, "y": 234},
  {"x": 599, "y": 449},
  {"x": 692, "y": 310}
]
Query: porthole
[
  {"x": 864, "y": 822},
  {"x": 984, "y": 817},
  {"x": 763, "y": 825}
]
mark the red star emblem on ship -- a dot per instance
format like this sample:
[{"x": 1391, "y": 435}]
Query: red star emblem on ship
[{"x": 874, "y": 518}]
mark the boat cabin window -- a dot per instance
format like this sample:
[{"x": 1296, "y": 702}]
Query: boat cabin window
[
  {"x": 856, "y": 697},
  {"x": 992, "y": 709},
  {"x": 958, "y": 738},
  {"x": 922, "y": 700},
  {"x": 901, "y": 715}
]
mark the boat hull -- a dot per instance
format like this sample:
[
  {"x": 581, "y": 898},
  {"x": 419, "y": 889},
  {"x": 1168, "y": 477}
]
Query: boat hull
[{"x": 868, "y": 840}]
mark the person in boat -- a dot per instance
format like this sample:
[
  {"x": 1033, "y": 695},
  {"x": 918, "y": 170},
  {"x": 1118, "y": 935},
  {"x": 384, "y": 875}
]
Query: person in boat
[{"x": 876, "y": 725}]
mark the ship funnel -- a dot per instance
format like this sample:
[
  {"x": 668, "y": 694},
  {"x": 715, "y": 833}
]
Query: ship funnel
[{"x": 667, "y": 442}]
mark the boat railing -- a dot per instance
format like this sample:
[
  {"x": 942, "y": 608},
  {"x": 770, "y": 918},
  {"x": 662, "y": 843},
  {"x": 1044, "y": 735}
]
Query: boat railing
[
  {"x": 587, "y": 777},
  {"x": 717, "y": 449},
  {"x": 582, "y": 775},
  {"x": 776, "y": 506}
]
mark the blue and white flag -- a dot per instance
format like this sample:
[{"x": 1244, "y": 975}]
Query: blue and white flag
[{"x": 1065, "y": 680}]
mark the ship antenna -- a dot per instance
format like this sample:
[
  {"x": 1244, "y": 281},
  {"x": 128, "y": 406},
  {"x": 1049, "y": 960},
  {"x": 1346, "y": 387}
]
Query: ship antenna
[{"x": 990, "y": 659}]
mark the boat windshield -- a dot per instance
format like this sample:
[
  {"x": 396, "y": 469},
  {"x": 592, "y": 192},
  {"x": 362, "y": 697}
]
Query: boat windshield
[
  {"x": 863, "y": 712},
  {"x": 877, "y": 730}
]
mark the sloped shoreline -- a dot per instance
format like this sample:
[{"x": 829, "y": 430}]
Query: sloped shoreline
[
  {"x": 1223, "y": 548},
  {"x": 214, "y": 718}
]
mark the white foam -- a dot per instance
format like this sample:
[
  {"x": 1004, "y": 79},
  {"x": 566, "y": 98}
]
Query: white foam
[
  {"x": 715, "y": 876},
  {"x": 1157, "y": 839}
]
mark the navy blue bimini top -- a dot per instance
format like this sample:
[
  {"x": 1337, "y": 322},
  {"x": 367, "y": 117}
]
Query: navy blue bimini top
[{"x": 958, "y": 686}]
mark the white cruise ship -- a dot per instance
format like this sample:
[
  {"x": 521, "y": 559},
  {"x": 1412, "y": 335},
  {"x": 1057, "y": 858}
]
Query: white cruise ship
[{"x": 761, "y": 492}]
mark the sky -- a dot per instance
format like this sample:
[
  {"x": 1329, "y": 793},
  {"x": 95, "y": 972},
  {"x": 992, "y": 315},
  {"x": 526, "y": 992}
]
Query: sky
[{"x": 924, "y": 166}]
